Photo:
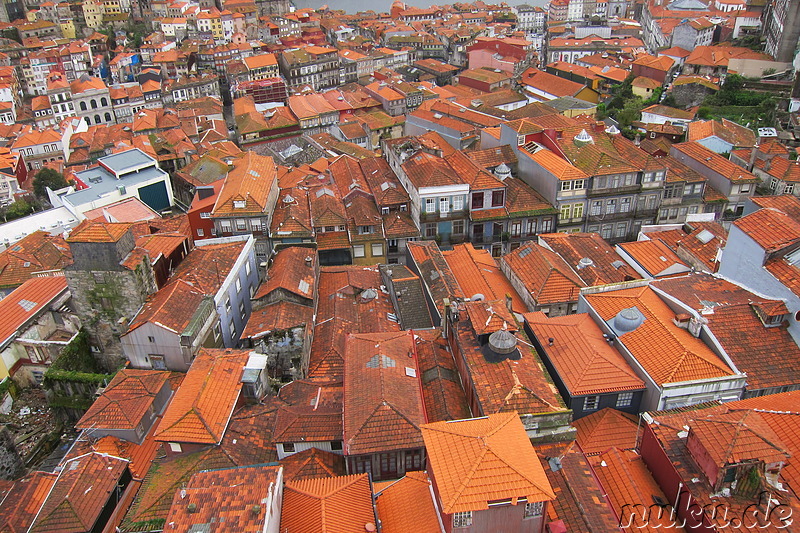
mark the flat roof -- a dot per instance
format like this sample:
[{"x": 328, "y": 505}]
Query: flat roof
[
  {"x": 102, "y": 182},
  {"x": 55, "y": 221},
  {"x": 126, "y": 160}
]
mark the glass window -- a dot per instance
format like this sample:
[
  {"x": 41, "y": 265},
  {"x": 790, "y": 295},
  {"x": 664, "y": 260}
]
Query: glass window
[
  {"x": 241, "y": 224},
  {"x": 377, "y": 249},
  {"x": 477, "y": 200},
  {"x": 462, "y": 519},
  {"x": 516, "y": 228},
  {"x": 547, "y": 225},
  {"x": 497, "y": 198},
  {"x": 590, "y": 403},
  {"x": 430, "y": 205},
  {"x": 611, "y": 206},
  {"x": 458, "y": 203},
  {"x": 624, "y": 205},
  {"x": 430, "y": 230},
  {"x": 789, "y": 189},
  {"x": 566, "y": 185},
  {"x": 605, "y": 231},
  {"x": 458, "y": 227},
  {"x": 597, "y": 207},
  {"x": 624, "y": 399},
  {"x": 200, "y": 232},
  {"x": 621, "y": 228},
  {"x": 566, "y": 211},
  {"x": 358, "y": 250},
  {"x": 578, "y": 185},
  {"x": 533, "y": 509},
  {"x": 531, "y": 229},
  {"x": 238, "y": 286},
  {"x": 444, "y": 205},
  {"x": 577, "y": 211}
]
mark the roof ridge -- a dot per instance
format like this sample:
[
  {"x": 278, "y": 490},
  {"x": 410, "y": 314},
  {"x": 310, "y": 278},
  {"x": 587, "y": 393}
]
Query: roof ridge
[{"x": 468, "y": 477}]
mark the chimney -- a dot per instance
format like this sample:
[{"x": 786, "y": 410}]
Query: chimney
[
  {"x": 308, "y": 261},
  {"x": 599, "y": 127}
]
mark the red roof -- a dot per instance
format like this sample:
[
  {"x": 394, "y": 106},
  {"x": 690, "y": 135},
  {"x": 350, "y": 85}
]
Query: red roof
[
  {"x": 22, "y": 502},
  {"x": 124, "y": 401},
  {"x": 607, "y": 428},
  {"x": 38, "y": 252},
  {"x": 382, "y": 397},
  {"x": 200, "y": 410},
  {"x": 80, "y": 493},
  {"x": 334, "y": 504},
  {"x": 654, "y": 257},
  {"x": 544, "y": 274},
  {"x": 477, "y": 461},
  {"x": 770, "y": 228},
  {"x": 393, "y": 500},
  {"x": 28, "y": 301},
  {"x": 581, "y": 355}
]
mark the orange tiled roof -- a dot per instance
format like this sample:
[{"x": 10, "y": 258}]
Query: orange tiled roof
[
  {"x": 382, "y": 398},
  {"x": 726, "y": 130},
  {"x": 171, "y": 308},
  {"x": 250, "y": 182},
  {"x": 37, "y": 252},
  {"x": 200, "y": 410},
  {"x": 544, "y": 274},
  {"x": 605, "y": 267},
  {"x": 22, "y": 502},
  {"x": 669, "y": 354},
  {"x": 293, "y": 270},
  {"x": 443, "y": 395},
  {"x": 206, "y": 267},
  {"x": 771, "y": 229},
  {"x": 312, "y": 463},
  {"x": 311, "y": 411},
  {"x": 277, "y": 316},
  {"x": 341, "y": 503},
  {"x": 738, "y": 437},
  {"x": 393, "y": 499},
  {"x": 581, "y": 354},
  {"x": 94, "y": 231},
  {"x": 75, "y": 502},
  {"x": 28, "y": 301},
  {"x": 481, "y": 460},
  {"x": 125, "y": 400},
  {"x": 560, "y": 168},
  {"x": 654, "y": 257},
  {"x": 235, "y": 497},
  {"x": 607, "y": 428},
  {"x": 477, "y": 272},
  {"x": 787, "y": 203}
]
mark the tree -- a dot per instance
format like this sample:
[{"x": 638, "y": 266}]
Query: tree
[
  {"x": 18, "y": 209},
  {"x": 47, "y": 177}
]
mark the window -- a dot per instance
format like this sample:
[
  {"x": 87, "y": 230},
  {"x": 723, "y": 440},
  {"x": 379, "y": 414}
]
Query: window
[
  {"x": 675, "y": 191},
  {"x": 597, "y": 208},
  {"x": 590, "y": 403},
  {"x": 200, "y": 232},
  {"x": 621, "y": 228},
  {"x": 566, "y": 211},
  {"x": 175, "y": 447},
  {"x": 605, "y": 231},
  {"x": 232, "y": 329},
  {"x": 566, "y": 185},
  {"x": 151, "y": 339},
  {"x": 462, "y": 519},
  {"x": 241, "y": 224},
  {"x": 377, "y": 249},
  {"x": 744, "y": 188},
  {"x": 225, "y": 226},
  {"x": 531, "y": 227},
  {"x": 205, "y": 215},
  {"x": 577, "y": 211},
  {"x": 773, "y": 184},
  {"x": 458, "y": 227},
  {"x": 242, "y": 309},
  {"x": 430, "y": 230},
  {"x": 288, "y": 447},
  {"x": 247, "y": 268},
  {"x": 789, "y": 189},
  {"x": 624, "y": 205},
  {"x": 547, "y": 225},
  {"x": 477, "y": 200},
  {"x": 578, "y": 185},
  {"x": 611, "y": 206},
  {"x": 238, "y": 286},
  {"x": 624, "y": 399},
  {"x": 458, "y": 203},
  {"x": 444, "y": 205},
  {"x": 358, "y": 250},
  {"x": 533, "y": 509},
  {"x": 364, "y": 230},
  {"x": 520, "y": 140},
  {"x": 516, "y": 228},
  {"x": 497, "y": 198},
  {"x": 336, "y": 445},
  {"x": 430, "y": 205}
]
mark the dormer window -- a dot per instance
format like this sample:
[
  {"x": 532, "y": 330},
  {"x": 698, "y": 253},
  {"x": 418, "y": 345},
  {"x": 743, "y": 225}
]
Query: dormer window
[{"x": 239, "y": 204}]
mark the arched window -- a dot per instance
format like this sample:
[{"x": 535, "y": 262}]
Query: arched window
[
  {"x": 97, "y": 119},
  {"x": 94, "y": 104},
  {"x": 103, "y": 101},
  {"x": 87, "y": 119},
  {"x": 108, "y": 117},
  {"x": 83, "y": 106}
]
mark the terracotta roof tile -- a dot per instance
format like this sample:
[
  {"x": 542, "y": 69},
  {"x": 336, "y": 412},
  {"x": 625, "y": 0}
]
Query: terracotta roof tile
[
  {"x": 172, "y": 307},
  {"x": 654, "y": 257},
  {"x": 738, "y": 437},
  {"x": 238, "y": 497},
  {"x": 771, "y": 229},
  {"x": 768, "y": 355},
  {"x": 277, "y": 316},
  {"x": 293, "y": 270},
  {"x": 607, "y": 428},
  {"x": 393, "y": 499},
  {"x": 38, "y": 252},
  {"x": 80, "y": 493},
  {"x": 342, "y": 503},
  {"x": 248, "y": 439},
  {"x": 27, "y": 301},
  {"x": 382, "y": 395},
  {"x": 477, "y": 272},
  {"x": 311, "y": 412},
  {"x": 312, "y": 463},
  {"x": 442, "y": 393},
  {"x": 92, "y": 231},
  {"x": 545, "y": 275},
  {"x": 713, "y": 160},
  {"x": 250, "y": 181},
  {"x": 481, "y": 460},
  {"x": 606, "y": 265},
  {"x": 23, "y": 500},
  {"x": 206, "y": 267},
  {"x": 581, "y": 355},
  {"x": 202, "y": 407},
  {"x": 669, "y": 354},
  {"x": 124, "y": 401},
  {"x": 439, "y": 279}
]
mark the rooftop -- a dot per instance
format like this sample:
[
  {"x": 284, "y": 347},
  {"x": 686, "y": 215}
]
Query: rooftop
[
  {"x": 481, "y": 460},
  {"x": 342, "y": 503},
  {"x": 26, "y": 302}
]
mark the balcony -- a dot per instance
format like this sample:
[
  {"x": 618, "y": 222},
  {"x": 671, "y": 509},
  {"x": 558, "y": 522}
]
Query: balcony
[
  {"x": 608, "y": 217},
  {"x": 630, "y": 189},
  {"x": 438, "y": 216}
]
